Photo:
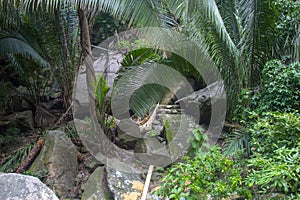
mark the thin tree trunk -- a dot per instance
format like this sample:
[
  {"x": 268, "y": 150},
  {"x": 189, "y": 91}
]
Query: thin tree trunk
[{"x": 89, "y": 62}]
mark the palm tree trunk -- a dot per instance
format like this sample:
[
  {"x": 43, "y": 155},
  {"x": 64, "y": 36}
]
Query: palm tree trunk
[{"x": 89, "y": 62}]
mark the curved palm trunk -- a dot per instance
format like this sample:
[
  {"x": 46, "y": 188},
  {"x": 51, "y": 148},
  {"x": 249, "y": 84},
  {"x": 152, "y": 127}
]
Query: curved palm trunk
[{"x": 89, "y": 62}]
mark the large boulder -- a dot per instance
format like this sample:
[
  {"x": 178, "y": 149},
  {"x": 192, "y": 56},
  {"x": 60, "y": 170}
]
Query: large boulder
[
  {"x": 23, "y": 187},
  {"x": 151, "y": 152},
  {"x": 43, "y": 118},
  {"x": 96, "y": 187},
  {"x": 21, "y": 120},
  {"x": 125, "y": 186},
  {"x": 59, "y": 157},
  {"x": 212, "y": 95}
]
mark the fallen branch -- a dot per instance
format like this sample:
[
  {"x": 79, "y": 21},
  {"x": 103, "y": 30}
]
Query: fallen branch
[
  {"x": 31, "y": 156},
  {"x": 147, "y": 183},
  {"x": 62, "y": 117}
]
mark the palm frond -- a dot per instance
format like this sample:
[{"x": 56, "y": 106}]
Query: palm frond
[
  {"x": 209, "y": 24},
  {"x": 138, "y": 12},
  {"x": 16, "y": 158},
  {"x": 236, "y": 141},
  {"x": 196, "y": 11},
  {"x": 12, "y": 43},
  {"x": 141, "y": 12},
  {"x": 15, "y": 64},
  {"x": 257, "y": 39},
  {"x": 229, "y": 13},
  {"x": 142, "y": 92}
]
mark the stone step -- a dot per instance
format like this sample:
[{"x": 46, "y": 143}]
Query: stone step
[{"x": 169, "y": 109}]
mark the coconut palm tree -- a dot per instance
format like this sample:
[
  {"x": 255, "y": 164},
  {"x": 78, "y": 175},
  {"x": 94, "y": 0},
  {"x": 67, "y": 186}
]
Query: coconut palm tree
[
  {"x": 241, "y": 36},
  {"x": 238, "y": 34},
  {"x": 135, "y": 12}
]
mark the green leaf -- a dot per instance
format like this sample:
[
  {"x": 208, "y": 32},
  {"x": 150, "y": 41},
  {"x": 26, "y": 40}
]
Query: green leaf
[{"x": 101, "y": 90}]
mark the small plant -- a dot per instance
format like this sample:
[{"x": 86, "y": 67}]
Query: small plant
[
  {"x": 40, "y": 174},
  {"x": 238, "y": 140},
  {"x": 101, "y": 90},
  {"x": 88, "y": 120},
  {"x": 198, "y": 141},
  {"x": 71, "y": 132},
  {"x": 16, "y": 158},
  {"x": 110, "y": 122},
  {"x": 246, "y": 109}
]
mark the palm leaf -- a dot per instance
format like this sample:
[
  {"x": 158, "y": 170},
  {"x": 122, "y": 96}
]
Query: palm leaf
[
  {"x": 138, "y": 12},
  {"x": 197, "y": 12},
  {"x": 236, "y": 141},
  {"x": 230, "y": 16},
  {"x": 16, "y": 44},
  {"x": 141, "y": 93},
  {"x": 210, "y": 26},
  {"x": 258, "y": 36}
]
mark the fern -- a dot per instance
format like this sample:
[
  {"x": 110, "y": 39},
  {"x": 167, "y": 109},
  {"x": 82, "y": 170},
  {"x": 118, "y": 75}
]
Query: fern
[{"x": 16, "y": 158}]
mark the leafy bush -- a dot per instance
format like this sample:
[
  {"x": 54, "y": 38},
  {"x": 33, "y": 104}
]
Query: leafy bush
[
  {"x": 281, "y": 93},
  {"x": 281, "y": 87},
  {"x": 275, "y": 165},
  {"x": 279, "y": 173},
  {"x": 248, "y": 102},
  {"x": 275, "y": 130},
  {"x": 206, "y": 174}
]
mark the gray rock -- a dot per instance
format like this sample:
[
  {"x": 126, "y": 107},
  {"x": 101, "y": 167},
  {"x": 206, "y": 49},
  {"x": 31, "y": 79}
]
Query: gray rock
[
  {"x": 128, "y": 132},
  {"x": 22, "y": 120},
  {"x": 23, "y": 187},
  {"x": 96, "y": 187},
  {"x": 151, "y": 152},
  {"x": 125, "y": 186},
  {"x": 59, "y": 157},
  {"x": 92, "y": 163},
  {"x": 44, "y": 118},
  {"x": 107, "y": 65},
  {"x": 212, "y": 95}
]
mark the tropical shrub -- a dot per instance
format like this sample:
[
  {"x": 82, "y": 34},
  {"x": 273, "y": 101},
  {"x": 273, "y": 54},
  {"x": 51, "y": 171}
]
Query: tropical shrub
[
  {"x": 280, "y": 92},
  {"x": 206, "y": 174},
  {"x": 281, "y": 87},
  {"x": 279, "y": 173},
  {"x": 275, "y": 163},
  {"x": 275, "y": 130},
  {"x": 199, "y": 142},
  {"x": 248, "y": 102}
]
